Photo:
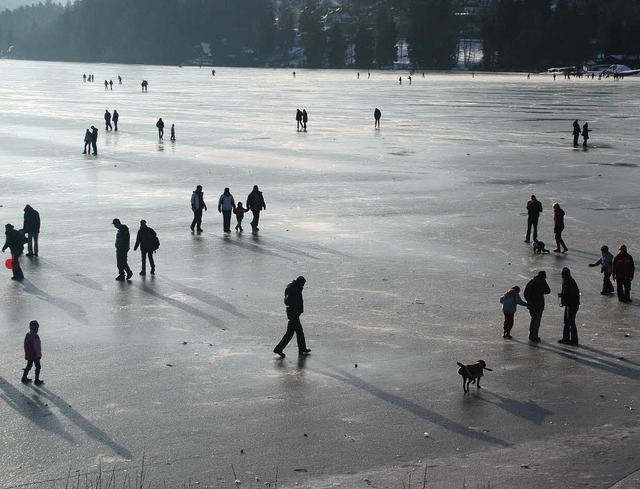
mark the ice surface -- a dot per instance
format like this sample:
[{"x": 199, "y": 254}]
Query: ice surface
[{"x": 407, "y": 236}]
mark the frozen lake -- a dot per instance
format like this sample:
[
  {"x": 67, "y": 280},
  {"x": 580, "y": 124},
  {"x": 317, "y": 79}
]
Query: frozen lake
[{"x": 407, "y": 236}]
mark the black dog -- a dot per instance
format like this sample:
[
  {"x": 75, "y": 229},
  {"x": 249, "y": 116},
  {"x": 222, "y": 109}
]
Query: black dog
[
  {"x": 538, "y": 247},
  {"x": 472, "y": 373}
]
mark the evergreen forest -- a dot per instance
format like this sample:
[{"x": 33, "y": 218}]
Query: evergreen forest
[{"x": 511, "y": 34}]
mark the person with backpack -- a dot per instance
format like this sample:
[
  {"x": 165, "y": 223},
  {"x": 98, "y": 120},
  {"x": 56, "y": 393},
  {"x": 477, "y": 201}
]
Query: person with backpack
[
  {"x": 295, "y": 307},
  {"x": 15, "y": 242},
  {"x": 148, "y": 241}
]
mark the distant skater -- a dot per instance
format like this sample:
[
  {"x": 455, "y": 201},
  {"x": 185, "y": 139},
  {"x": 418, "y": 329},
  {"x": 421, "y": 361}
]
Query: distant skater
[
  {"x": 239, "y": 212},
  {"x": 400, "y": 81},
  {"x": 623, "y": 270},
  {"x": 88, "y": 138},
  {"x": 110, "y": 84},
  {"x": 298, "y": 120},
  {"x": 15, "y": 241},
  {"x": 534, "y": 209},
  {"x": 119, "y": 80},
  {"x": 570, "y": 299},
  {"x": 160, "y": 126},
  {"x": 295, "y": 307},
  {"x": 107, "y": 120},
  {"x": 534, "y": 294},
  {"x": 585, "y": 134},
  {"x": 255, "y": 203},
  {"x": 173, "y": 132},
  {"x": 106, "y": 85},
  {"x": 94, "y": 139},
  {"x": 31, "y": 227},
  {"x": 147, "y": 240},
  {"x": 576, "y": 133},
  {"x": 558, "y": 227},
  {"x": 32, "y": 353},
  {"x": 606, "y": 264},
  {"x": 305, "y": 119},
  {"x": 226, "y": 205},
  {"x": 409, "y": 79},
  {"x": 197, "y": 206},
  {"x": 376, "y": 117},
  {"x": 115, "y": 118},
  {"x": 145, "y": 85},
  {"x": 510, "y": 300},
  {"x": 123, "y": 244}
]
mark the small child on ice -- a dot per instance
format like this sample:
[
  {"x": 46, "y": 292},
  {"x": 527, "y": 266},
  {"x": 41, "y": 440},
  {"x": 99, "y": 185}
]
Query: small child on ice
[
  {"x": 239, "y": 212},
  {"x": 32, "y": 353},
  {"x": 510, "y": 300}
]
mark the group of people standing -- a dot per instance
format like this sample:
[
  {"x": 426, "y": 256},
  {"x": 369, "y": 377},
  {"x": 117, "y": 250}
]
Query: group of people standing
[
  {"x": 534, "y": 209},
  {"x": 619, "y": 267},
  {"x": 301, "y": 120},
  {"x": 16, "y": 239},
  {"x": 226, "y": 206},
  {"x": 577, "y": 133}
]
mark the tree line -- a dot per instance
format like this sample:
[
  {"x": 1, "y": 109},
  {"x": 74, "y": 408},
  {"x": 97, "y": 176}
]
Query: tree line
[{"x": 514, "y": 34}]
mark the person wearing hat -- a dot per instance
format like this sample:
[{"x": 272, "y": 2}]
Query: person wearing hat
[
  {"x": 123, "y": 244},
  {"x": 31, "y": 227},
  {"x": 622, "y": 272},
  {"x": 570, "y": 299},
  {"x": 15, "y": 242},
  {"x": 197, "y": 206},
  {"x": 534, "y": 293},
  {"x": 605, "y": 262},
  {"x": 147, "y": 240},
  {"x": 295, "y": 307},
  {"x": 32, "y": 353}
]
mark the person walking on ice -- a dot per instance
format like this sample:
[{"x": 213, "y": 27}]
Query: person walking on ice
[
  {"x": 376, "y": 117},
  {"x": 295, "y": 307},
  {"x": 32, "y": 353}
]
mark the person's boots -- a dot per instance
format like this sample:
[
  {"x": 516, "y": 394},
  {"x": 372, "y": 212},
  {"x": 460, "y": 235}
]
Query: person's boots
[{"x": 25, "y": 379}]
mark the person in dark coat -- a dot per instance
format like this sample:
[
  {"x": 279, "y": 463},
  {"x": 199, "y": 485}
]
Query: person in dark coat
[
  {"x": 534, "y": 208},
  {"x": 558, "y": 227},
  {"x": 160, "y": 126},
  {"x": 534, "y": 293},
  {"x": 576, "y": 133},
  {"x": 295, "y": 307},
  {"x": 585, "y": 134},
  {"x": 298, "y": 119},
  {"x": 197, "y": 206},
  {"x": 376, "y": 117},
  {"x": 147, "y": 240},
  {"x": 226, "y": 206},
  {"x": 31, "y": 227},
  {"x": 606, "y": 265},
  {"x": 115, "y": 118},
  {"x": 305, "y": 119},
  {"x": 622, "y": 272},
  {"x": 123, "y": 244},
  {"x": 15, "y": 242},
  {"x": 107, "y": 120},
  {"x": 88, "y": 138},
  {"x": 570, "y": 299},
  {"x": 32, "y": 353},
  {"x": 255, "y": 203},
  {"x": 94, "y": 139}
]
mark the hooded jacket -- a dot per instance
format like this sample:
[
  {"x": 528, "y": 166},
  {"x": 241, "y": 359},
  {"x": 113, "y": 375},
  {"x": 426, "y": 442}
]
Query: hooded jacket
[{"x": 535, "y": 291}]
